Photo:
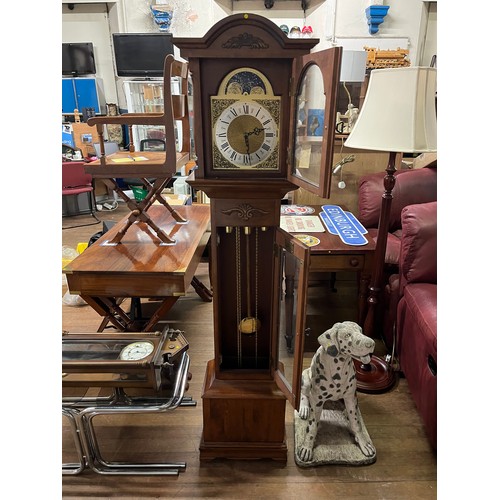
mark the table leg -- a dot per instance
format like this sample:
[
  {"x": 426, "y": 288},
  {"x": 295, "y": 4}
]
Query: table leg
[
  {"x": 364, "y": 280},
  {"x": 109, "y": 308},
  {"x": 165, "y": 306},
  {"x": 204, "y": 293}
]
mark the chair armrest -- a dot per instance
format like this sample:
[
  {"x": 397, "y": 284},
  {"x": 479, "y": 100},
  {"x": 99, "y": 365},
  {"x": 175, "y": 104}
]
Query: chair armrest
[{"x": 418, "y": 258}]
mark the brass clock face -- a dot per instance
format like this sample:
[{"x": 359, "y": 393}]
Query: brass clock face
[
  {"x": 245, "y": 122},
  {"x": 246, "y": 134}
]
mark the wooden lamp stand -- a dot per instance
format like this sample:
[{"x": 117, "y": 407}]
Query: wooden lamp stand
[{"x": 378, "y": 375}]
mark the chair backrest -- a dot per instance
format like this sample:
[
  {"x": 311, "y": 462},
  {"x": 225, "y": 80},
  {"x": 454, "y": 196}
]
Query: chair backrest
[
  {"x": 174, "y": 119},
  {"x": 176, "y": 107},
  {"x": 74, "y": 176},
  {"x": 411, "y": 187},
  {"x": 109, "y": 148}
]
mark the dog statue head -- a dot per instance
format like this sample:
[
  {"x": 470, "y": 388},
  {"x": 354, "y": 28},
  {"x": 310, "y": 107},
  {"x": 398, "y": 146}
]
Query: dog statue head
[{"x": 347, "y": 339}]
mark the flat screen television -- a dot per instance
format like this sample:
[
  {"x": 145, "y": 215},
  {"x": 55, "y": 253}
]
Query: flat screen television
[
  {"x": 141, "y": 55},
  {"x": 78, "y": 59}
]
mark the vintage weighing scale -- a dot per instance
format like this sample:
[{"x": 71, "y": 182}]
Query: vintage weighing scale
[
  {"x": 256, "y": 95},
  {"x": 145, "y": 373}
]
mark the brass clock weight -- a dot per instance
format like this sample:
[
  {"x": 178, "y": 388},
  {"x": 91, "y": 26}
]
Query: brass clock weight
[{"x": 249, "y": 83}]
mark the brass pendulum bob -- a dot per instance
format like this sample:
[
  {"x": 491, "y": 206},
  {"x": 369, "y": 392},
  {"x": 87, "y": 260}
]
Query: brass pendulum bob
[{"x": 248, "y": 325}]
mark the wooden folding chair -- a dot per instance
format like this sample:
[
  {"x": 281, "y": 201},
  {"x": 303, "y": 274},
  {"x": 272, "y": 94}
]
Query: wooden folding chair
[{"x": 160, "y": 165}]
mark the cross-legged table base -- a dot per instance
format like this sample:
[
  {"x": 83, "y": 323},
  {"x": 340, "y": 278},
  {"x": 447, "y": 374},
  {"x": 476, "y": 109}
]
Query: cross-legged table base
[{"x": 140, "y": 267}]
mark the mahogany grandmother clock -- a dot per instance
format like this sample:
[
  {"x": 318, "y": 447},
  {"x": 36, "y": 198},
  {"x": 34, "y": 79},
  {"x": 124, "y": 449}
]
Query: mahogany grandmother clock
[{"x": 263, "y": 105}]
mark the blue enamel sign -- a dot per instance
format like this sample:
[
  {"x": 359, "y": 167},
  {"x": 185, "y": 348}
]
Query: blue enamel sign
[{"x": 344, "y": 224}]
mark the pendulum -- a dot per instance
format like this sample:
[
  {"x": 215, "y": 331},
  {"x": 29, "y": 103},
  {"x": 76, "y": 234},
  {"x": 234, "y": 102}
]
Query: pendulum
[
  {"x": 238, "y": 293},
  {"x": 248, "y": 325}
]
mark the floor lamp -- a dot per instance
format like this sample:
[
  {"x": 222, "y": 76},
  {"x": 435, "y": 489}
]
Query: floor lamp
[{"x": 398, "y": 116}]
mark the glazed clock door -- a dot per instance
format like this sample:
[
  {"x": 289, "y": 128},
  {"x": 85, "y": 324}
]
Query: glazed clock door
[
  {"x": 313, "y": 120},
  {"x": 291, "y": 262}
]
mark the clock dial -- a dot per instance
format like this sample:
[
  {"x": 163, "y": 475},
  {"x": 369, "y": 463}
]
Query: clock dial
[
  {"x": 245, "y": 123},
  {"x": 136, "y": 351},
  {"x": 246, "y": 135}
]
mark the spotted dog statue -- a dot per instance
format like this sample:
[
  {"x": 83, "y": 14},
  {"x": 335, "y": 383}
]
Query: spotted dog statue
[{"x": 332, "y": 377}]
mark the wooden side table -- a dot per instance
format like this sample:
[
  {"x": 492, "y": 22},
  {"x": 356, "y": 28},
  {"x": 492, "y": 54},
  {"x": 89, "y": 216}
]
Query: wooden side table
[{"x": 332, "y": 255}]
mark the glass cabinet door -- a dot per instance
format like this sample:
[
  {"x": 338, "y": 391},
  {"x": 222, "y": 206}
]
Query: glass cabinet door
[
  {"x": 313, "y": 123},
  {"x": 291, "y": 265}
]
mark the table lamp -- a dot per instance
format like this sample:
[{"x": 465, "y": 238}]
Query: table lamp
[{"x": 398, "y": 116}]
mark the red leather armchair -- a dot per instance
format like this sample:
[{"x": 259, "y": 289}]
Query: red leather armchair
[
  {"x": 416, "y": 323},
  {"x": 411, "y": 187}
]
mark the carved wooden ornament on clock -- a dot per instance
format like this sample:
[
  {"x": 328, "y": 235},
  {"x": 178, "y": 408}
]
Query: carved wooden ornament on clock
[{"x": 254, "y": 90}]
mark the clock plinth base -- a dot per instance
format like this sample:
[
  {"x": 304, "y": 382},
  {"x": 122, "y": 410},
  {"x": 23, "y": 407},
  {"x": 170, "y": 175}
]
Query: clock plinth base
[
  {"x": 242, "y": 419},
  {"x": 243, "y": 451}
]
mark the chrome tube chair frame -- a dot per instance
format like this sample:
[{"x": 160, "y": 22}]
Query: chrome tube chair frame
[{"x": 81, "y": 412}]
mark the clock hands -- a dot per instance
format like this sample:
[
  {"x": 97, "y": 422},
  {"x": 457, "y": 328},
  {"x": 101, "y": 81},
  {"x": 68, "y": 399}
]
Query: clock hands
[
  {"x": 246, "y": 135},
  {"x": 255, "y": 131},
  {"x": 247, "y": 142}
]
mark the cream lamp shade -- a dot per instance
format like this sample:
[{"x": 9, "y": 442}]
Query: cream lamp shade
[{"x": 398, "y": 113}]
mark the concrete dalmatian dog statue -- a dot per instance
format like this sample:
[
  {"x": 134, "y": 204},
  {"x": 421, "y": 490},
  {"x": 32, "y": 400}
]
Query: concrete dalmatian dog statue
[{"x": 332, "y": 377}]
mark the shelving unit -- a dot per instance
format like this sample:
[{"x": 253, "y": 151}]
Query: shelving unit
[
  {"x": 79, "y": 93},
  {"x": 269, "y": 4},
  {"x": 146, "y": 96}
]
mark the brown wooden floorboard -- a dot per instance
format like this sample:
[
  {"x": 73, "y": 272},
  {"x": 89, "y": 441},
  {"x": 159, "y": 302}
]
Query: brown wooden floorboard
[{"x": 405, "y": 467}]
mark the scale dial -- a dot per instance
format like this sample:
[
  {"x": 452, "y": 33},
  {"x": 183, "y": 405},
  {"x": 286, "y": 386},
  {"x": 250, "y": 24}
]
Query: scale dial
[{"x": 136, "y": 351}]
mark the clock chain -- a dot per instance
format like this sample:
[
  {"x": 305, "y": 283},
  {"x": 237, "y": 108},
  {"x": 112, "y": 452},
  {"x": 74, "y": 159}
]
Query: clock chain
[
  {"x": 256, "y": 292},
  {"x": 238, "y": 293}
]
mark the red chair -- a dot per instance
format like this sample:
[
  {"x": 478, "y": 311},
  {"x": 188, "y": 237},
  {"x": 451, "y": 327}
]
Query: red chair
[
  {"x": 412, "y": 187},
  {"x": 76, "y": 181}
]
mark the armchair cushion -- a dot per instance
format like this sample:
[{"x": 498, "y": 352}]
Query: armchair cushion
[{"x": 74, "y": 179}]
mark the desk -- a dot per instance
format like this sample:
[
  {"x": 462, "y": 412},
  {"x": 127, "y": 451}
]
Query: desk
[
  {"x": 139, "y": 266},
  {"x": 332, "y": 255}
]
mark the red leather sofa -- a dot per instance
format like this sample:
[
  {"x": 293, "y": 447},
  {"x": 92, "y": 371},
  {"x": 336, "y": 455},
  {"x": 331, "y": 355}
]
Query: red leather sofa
[
  {"x": 416, "y": 323},
  {"x": 412, "y": 186}
]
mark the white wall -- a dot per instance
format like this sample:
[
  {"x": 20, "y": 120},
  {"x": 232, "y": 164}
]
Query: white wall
[{"x": 331, "y": 20}]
